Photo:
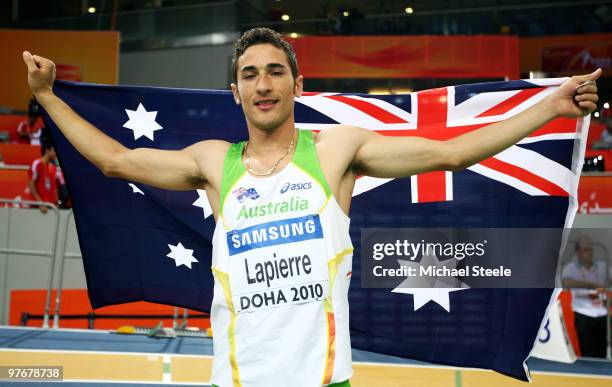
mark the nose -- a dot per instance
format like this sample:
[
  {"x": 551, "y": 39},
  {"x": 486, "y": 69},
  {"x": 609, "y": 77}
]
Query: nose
[{"x": 264, "y": 85}]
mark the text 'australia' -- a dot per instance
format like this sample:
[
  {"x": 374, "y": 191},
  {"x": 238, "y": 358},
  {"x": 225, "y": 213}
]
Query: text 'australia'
[{"x": 294, "y": 204}]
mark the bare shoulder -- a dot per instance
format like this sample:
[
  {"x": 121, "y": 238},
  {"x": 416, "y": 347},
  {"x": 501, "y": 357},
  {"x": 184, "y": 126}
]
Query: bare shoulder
[
  {"x": 336, "y": 148},
  {"x": 341, "y": 138},
  {"x": 343, "y": 141},
  {"x": 208, "y": 149},
  {"x": 340, "y": 134}
]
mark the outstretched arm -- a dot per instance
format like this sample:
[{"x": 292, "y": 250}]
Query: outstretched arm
[
  {"x": 178, "y": 170},
  {"x": 383, "y": 156},
  {"x": 36, "y": 196}
]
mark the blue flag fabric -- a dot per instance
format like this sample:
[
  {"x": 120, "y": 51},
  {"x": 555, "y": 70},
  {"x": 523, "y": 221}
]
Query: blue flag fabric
[{"x": 143, "y": 243}]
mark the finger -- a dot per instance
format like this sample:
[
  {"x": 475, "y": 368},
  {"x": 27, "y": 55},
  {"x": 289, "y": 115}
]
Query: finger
[
  {"x": 589, "y": 77},
  {"x": 587, "y": 89},
  {"x": 587, "y": 97},
  {"x": 29, "y": 61},
  {"x": 587, "y": 106},
  {"x": 41, "y": 62}
]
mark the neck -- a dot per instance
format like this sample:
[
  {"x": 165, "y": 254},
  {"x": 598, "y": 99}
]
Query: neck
[
  {"x": 587, "y": 264},
  {"x": 270, "y": 142},
  {"x": 273, "y": 149}
]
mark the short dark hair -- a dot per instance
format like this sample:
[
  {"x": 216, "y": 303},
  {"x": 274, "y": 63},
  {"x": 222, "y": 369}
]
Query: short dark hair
[
  {"x": 582, "y": 240},
  {"x": 45, "y": 146},
  {"x": 262, "y": 35},
  {"x": 33, "y": 108},
  {"x": 45, "y": 140}
]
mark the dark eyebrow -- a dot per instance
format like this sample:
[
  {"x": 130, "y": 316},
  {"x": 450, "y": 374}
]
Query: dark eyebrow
[
  {"x": 275, "y": 66},
  {"x": 248, "y": 68},
  {"x": 268, "y": 66}
]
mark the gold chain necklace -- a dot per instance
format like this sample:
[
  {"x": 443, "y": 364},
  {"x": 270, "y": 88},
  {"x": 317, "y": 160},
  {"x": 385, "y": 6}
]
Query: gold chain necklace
[{"x": 270, "y": 171}]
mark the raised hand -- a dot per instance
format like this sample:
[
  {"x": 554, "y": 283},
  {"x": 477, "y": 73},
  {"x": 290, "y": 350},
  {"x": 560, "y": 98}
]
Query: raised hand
[
  {"x": 573, "y": 100},
  {"x": 41, "y": 73}
]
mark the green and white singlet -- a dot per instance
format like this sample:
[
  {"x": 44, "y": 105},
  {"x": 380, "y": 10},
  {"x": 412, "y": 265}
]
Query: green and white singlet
[{"x": 282, "y": 259}]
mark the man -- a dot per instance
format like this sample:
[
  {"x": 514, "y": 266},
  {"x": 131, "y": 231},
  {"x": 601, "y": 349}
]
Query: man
[
  {"x": 30, "y": 129},
  {"x": 606, "y": 134},
  {"x": 587, "y": 278},
  {"x": 281, "y": 250},
  {"x": 45, "y": 178}
]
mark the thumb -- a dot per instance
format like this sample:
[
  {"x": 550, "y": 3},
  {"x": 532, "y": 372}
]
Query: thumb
[
  {"x": 590, "y": 77},
  {"x": 29, "y": 61}
]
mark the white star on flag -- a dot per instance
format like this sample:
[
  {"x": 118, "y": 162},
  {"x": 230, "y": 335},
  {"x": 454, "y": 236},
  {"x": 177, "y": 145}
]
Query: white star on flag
[
  {"x": 422, "y": 296},
  {"x": 181, "y": 255},
  {"x": 142, "y": 122},
  {"x": 135, "y": 189},
  {"x": 203, "y": 203},
  {"x": 429, "y": 289},
  {"x": 427, "y": 281}
]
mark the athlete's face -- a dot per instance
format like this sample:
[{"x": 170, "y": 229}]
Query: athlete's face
[{"x": 265, "y": 87}]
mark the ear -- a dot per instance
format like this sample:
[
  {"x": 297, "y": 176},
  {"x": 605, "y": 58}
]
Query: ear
[
  {"x": 235, "y": 93},
  {"x": 298, "y": 88}
]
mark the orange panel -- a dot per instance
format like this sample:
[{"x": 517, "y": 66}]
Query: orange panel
[
  {"x": 407, "y": 56},
  {"x": 9, "y": 123},
  {"x": 12, "y": 183},
  {"x": 567, "y": 54},
  {"x": 21, "y": 154},
  {"x": 76, "y": 302},
  {"x": 595, "y": 192},
  {"x": 89, "y": 56}
]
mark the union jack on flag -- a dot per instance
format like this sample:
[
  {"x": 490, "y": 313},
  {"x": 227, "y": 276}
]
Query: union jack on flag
[
  {"x": 444, "y": 113},
  {"x": 143, "y": 243}
]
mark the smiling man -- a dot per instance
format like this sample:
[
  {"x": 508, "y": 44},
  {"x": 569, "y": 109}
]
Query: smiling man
[{"x": 282, "y": 254}]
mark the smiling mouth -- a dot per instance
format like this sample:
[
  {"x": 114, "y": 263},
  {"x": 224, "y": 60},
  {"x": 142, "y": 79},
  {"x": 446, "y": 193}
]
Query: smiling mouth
[{"x": 266, "y": 103}]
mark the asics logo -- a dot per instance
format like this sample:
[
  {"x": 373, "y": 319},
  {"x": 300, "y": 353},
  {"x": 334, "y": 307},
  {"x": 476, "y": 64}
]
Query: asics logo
[{"x": 295, "y": 186}]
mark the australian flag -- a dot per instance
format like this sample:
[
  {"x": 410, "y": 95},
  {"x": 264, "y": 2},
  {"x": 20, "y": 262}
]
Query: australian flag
[{"x": 143, "y": 243}]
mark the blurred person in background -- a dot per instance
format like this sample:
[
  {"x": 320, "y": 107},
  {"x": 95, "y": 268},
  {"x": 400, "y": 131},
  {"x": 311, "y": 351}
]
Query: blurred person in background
[
  {"x": 30, "y": 130},
  {"x": 606, "y": 119},
  {"x": 588, "y": 278},
  {"x": 45, "y": 177}
]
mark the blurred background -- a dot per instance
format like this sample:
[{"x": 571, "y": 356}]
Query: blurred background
[{"x": 194, "y": 38}]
